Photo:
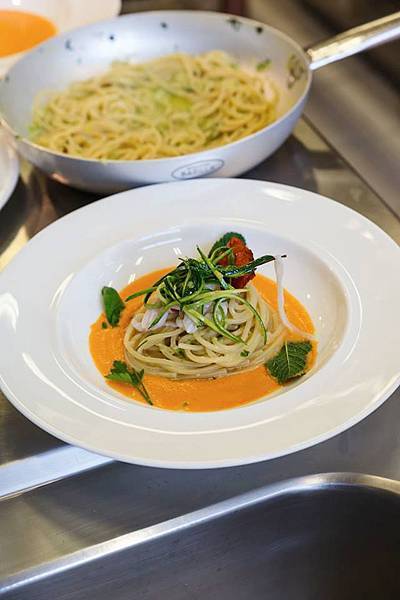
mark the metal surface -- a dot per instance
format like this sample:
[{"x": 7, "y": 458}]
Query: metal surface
[
  {"x": 331, "y": 536},
  {"x": 354, "y": 40},
  {"x": 68, "y": 514}
]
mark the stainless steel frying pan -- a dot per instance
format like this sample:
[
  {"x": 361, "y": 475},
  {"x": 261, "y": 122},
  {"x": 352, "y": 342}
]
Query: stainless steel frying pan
[{"x": 83, "y": 52}]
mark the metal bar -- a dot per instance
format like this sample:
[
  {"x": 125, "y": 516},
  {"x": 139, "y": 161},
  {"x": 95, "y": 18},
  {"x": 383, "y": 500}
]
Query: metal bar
[{"x": 354, "y": 41}]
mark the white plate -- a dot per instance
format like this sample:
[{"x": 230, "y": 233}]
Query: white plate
[
  {"x": 65, "y": 14},
  {"x": 9, "y": 169},
  {"x": 340, "y": 265}
]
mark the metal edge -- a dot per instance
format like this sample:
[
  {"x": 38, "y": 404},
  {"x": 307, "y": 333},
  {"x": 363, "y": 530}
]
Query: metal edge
[
  {"x": 177, "y": 524},
  {"x": 38, "y": 470}
]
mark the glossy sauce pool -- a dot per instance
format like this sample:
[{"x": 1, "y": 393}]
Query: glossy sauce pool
[{"x": 195, "y": 395}]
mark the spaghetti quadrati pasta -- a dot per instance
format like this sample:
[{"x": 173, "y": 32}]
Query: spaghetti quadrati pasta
[
  {"x": 171, "y": 106},
  {"x": 205, "y": 320},
  {"x": 184, "y": 351}
]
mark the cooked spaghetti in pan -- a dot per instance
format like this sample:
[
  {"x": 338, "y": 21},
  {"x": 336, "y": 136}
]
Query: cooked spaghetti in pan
[
  {"x": 174, "y": 105},
  {"x": 206, "y": 335}
]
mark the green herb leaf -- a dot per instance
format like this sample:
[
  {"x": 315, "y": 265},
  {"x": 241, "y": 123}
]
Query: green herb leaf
[
  {"x": 104, "y": 325},
  {"x": 223, "y": 241},
  {"x": 123, "y": 374},
  {"x": 290, "y": 361},
  {"x": 244, "y": 353},
  {"x": 113, "y": 305},
  {"x": 263, "y": 65}
]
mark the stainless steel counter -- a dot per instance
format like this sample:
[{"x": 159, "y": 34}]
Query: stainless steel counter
[
  {"x": 57, "y": 499},
  {"x": 353, "y": 104}
]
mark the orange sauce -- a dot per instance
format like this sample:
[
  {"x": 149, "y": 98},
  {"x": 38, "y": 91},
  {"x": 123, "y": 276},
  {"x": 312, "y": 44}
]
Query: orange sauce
[
  {"x": 196, "y": 395},
  {"x": 21, "y": 30}
]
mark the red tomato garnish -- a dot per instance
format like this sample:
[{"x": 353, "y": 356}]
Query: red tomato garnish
[{"x": 243, "y": 255}]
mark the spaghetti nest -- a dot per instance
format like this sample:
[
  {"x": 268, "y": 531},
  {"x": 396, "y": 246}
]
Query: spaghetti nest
[
  {"x": 171, "y": 106},
  {"x": 173, "y": 352}
]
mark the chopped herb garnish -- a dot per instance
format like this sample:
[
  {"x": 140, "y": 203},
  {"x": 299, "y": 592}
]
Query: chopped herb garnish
[
  {"x": 123, "y": 374},
  {"x": 244, "y": 353},
  {"x": 290, "y": 362},
  {"x": 196, "y": 283},
  {"x": 180, "y": 352},
  {"x": 263, "y": 65},
  {"x": 113, "y": 305},
  {"x": 104, "y": 325}
]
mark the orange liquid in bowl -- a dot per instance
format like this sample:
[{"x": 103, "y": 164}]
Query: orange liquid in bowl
[
  {"x": 193, "y": 395},
  {"x": 21, "y": 31}
]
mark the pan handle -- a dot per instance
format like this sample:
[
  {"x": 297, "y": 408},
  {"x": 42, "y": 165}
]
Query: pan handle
[{"x": 354, "y": 41}]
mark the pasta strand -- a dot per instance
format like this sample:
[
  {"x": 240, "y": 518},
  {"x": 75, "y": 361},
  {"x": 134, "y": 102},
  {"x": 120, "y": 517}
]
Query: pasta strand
[
  {"x": 171, "y": 352},
  {"x": 171, "y": 106}
]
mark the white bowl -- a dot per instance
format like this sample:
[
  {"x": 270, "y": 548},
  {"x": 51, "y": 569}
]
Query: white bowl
[{"x": 65, "y": 14}]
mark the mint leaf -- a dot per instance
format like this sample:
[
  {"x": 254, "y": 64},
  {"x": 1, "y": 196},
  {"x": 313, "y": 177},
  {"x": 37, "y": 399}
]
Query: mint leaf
[
  {"x": 263, "y": 65},
  {"x": 113, "y": 305},
  {"x": 290, "y": 361},
  {"x": 123, "y": 374},
  {"x": 223, "y": 241}
]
